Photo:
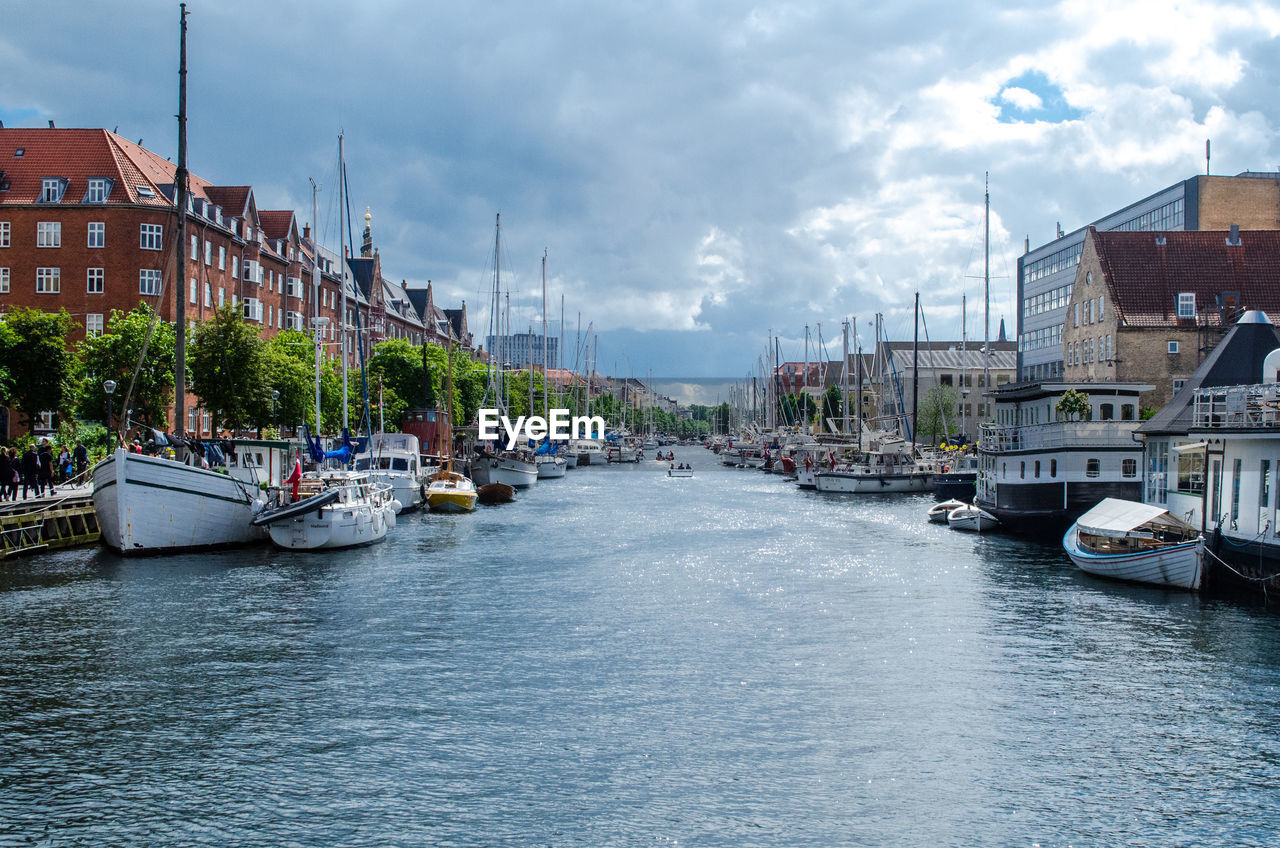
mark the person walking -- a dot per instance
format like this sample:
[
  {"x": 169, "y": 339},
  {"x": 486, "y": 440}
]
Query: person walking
[
  {"x": 63, "y": 469},
  {"x": 4, "y": 475},
  {"x": 81, "y": 457},
  {"x": 46, "y": 468},
  {"x": 30, "y": 471},
  {"x": 15, "y": 474}
]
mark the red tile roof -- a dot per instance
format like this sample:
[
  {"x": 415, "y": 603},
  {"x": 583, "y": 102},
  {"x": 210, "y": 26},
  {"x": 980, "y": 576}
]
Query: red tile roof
[
  {"x": 275, "y": 223},
  {"x": 234, "y": 200},
  {"x": 1144, "y": 278}
]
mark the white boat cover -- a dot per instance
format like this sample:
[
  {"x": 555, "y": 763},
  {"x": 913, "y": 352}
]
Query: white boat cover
[{"x": 1116, "y": 518}]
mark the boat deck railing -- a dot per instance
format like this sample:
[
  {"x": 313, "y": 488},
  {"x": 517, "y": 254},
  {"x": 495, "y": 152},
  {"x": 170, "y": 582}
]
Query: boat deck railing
[
  {"x": 1001, "y": 438},
  {"x": 1237, "y": 407}
]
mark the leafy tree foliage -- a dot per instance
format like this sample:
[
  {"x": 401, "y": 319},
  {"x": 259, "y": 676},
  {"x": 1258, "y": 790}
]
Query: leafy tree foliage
[
  {"x": 40, "y": 370},
  {"x": 227, "y": 362},
  {"x": 936, "y": 415},
  {"x": 1074, "y": 403},
  {"x": 113, "y": 356}
]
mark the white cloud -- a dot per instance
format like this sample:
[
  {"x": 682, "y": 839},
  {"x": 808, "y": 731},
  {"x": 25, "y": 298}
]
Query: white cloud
[{"x": 1021, "y": 98}]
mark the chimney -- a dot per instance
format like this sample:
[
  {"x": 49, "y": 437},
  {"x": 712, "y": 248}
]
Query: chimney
[
  {"x": 1233, "y": 237},
  {"x": 306, "y": 231},
  {"x": 51, "y": 126}
]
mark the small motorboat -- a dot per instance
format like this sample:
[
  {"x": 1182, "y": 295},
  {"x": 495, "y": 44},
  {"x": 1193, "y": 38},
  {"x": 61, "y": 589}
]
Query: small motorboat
[
  {"x": 972, "y": 517},
  {"x": 1127, "y": 540},
  {"x": 938, "y": 512},
  {"x": 679, "y": 472},
  {"x": 449, "y": 491}
]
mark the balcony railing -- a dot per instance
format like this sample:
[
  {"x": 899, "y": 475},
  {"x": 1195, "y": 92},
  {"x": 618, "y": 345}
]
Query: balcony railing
[
  {"x": 1001, "y": 438},
  {"x": 1236, "y": 407}
]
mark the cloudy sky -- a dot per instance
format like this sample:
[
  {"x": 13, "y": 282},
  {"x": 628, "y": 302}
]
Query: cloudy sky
[{"x": 700, "y": 173}]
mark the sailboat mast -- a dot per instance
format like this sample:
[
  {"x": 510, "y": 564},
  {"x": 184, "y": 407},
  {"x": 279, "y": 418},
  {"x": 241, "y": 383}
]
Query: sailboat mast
[
  {"x": 986, "y": 288},
  {"x": 964, "y": 336},
  {"x": 315, "y": 292},
  {"x": 804, "y": 392},
  {"x": 844, "y": 379},
  {"x": 342, "y": 277},
  {"x": 180, "y": 198},
  {"x": 915, "y": 374},
  {"x": 546, "y": 401}
]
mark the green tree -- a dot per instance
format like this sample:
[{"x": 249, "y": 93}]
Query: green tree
[
  {"x": 113, "y": 356},
  {"x": 228, "y": 370},
  {"x": 399, "y": 365},
  {"x": 936, "y": 415},
  {"x": 1073, "y": 405},
  {"x": 40, "y": 370},
  {"x": 289, "y": 366}
]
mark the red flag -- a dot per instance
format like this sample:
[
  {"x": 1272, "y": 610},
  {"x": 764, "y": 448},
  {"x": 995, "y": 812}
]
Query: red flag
[{"x": 295, "y": 478}]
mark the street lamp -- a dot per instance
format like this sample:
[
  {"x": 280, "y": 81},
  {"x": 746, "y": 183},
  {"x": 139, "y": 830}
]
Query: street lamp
[
  {"x": 110, "y": 388},
  {"x": 275, "y": 418}
]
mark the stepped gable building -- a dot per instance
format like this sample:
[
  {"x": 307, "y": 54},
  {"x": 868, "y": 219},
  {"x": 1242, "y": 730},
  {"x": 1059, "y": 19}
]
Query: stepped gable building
[
  {"x": 1046, "y": 274},
  {"x": 389, "y": 313},
  {"x": 1147, "y": 307},
  {"x": 440, "y": 326}
]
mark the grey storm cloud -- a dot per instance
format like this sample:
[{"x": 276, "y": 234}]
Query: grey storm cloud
[{"x": 700, "y": 173}]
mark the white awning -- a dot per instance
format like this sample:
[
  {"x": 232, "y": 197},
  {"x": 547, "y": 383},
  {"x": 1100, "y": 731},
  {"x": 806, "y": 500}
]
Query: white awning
[
  {"x": 1190, "y": 446},
  {"x": 1115, "y": 517}
]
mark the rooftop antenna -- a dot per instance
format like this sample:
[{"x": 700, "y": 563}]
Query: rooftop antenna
[{"x": 1206, "y": 157}]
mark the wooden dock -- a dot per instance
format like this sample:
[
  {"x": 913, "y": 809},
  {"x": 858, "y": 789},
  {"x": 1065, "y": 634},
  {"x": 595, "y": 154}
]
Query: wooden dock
[{"x": 66, "y": 520}]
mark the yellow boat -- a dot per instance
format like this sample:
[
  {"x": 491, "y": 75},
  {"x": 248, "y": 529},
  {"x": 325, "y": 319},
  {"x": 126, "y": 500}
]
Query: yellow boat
[{"x": 449, "y": 491}]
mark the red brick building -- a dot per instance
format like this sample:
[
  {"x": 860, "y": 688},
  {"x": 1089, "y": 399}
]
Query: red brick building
[{"x": 88, "y": 223}]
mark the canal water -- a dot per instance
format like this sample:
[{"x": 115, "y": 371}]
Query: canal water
[{"x": 620, "y": 658}]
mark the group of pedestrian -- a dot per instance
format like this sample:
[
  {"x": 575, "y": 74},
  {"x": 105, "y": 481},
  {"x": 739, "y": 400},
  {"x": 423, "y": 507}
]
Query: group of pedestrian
[{"x": 37, "y": 468}]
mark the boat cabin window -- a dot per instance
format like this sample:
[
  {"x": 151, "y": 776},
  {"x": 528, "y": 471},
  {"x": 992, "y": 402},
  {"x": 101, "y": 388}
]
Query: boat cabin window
[
  {"x": 1022, "y": 470},
  {"x": 399, "y": 464},
  {"x": 1107, "y": 411},
  {"x": 1126, "y": 412},
  {"x": 1191, "y": 472},
  {"x": 362, "y": 464},
  {"x": 1264, "y": 484},
  {"x": 1004, "y": 469},
  {"x": 1037, "y": 469},
  {"x": 1128, "y": 468},
  {"x": 1092, "y": 467},
  {"x": 1053, "y": 468},
  {"x": 1235, "y": 490}
]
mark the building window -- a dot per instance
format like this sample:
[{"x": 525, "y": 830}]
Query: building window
[
  {"x": 1186, "y": 304},
  {"x": 1173, "y": 347},
  {"x": 4, "y": 233},
  {"x": 149, "y": 281},
  {"x": 222, "y": 297},
  {"x": 192, "y": 289},
  {"x": 195, "y": 248},
  {"x": 97, "y": 234},
  {"x": 49, "y": 234},
  {"x": 4, "y": 280},
  {"x": 99, "y": 188},
  {"x": 51, "y": 189},
  {"x": 93, "y": 324},
  {"x": 1190, "y": 471},
  {"x": 222, "y": 259},
  {"x": 1092, "y": 467},
  {"x": 95, "y": 279},
  {"x": 1126, "y": 412},
  {"x": 1128, "y": 468},
  {"x": 208, "y": 252},
  {"x": 1177, "y": 385},
  {"x": 1107, "y": 411},
  {"x": 48, "y": 280},
  {"x": 208, "y": 295},
  {"x": 151, "y": 236}
]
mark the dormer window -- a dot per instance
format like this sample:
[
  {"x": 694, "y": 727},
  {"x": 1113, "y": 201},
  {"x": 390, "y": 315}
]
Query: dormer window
[
  {"x": 1186, "y": 304},
  {"x": 99, "y": 190},
  {"x": 52, "y": 189}
]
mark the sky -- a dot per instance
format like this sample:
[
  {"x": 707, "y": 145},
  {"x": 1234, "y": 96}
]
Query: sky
[{"x": 700, "y": 175}]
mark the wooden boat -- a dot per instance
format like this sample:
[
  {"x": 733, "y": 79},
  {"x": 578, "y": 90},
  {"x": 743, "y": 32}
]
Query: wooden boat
[
  {"x": 493, "y": 494},
  {"x": 938, "y": 512},
  {"x": 972, "y": 517},
  {"x": 1127, "y": 540}
]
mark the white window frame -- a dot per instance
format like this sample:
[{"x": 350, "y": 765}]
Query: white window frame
[
  {"x": 4, "y": 233},
  {"x": 208, "y": 252},
  {"x": 193, "y": 292},
  {"x": 222, "y": 258},
  {"x": 49, "y": 234},
  {"x": 92, "y": 324},
  {"x": 151, "y": 236},
  {"x": 51, "y": 189},
  {"x": 99, "y": 229},
  {"x": 48, "y": 281},
  {"x": 195, "y": 248},
  {"x": 4, "y": 280},
  {"x": 99, "y": 188},
  {"x": 149, "y": 279},
  {"x": 1173, "y": 346},
  {"x": 1186, "y": 305},
  {"x": 208, "y": 295},
  {"x": 95, "y": 275}
]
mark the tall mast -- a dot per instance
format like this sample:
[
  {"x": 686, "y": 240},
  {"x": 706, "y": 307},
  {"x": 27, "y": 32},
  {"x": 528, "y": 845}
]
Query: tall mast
[
  {"x": 915, "y": 374},
  {"x": 315, "y": 290},
  {"x": 964, "y": 337},
  {"x": 804, "y": 392},
  {"x": 342, "y": 277},
  {"x": 180, "y": 198},
  {"x": 545, "y": 400},
  {"x": 844, "y": 379},
  {"x": 986, "y": 289}
]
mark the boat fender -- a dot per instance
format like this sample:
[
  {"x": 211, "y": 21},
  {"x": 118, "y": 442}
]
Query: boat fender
[
  {"x": 396, "y": 506},
  {"x": 391, "y": 514}
]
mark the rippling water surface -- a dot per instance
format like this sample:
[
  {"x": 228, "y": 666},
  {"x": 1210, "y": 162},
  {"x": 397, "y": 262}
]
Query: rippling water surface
[{"x": 624, "y": 659}]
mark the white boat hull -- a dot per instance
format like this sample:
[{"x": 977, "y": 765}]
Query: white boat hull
[
  {"x": 938, "y": 512},
  {"x": 806, "y": 478},
  {"x": 515, "y": 473},
  {"x": 972, "y": 518},
  {"x": 1175, "y": 566},
  {"x": 149, "y": 505},
  {"x": 335, "y": 526},
  {"x": 551, "y": 467},
  {"x": 858, "y": 483}
]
